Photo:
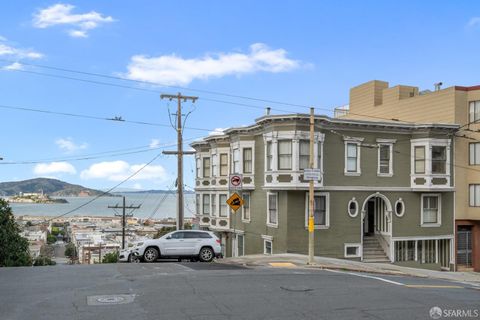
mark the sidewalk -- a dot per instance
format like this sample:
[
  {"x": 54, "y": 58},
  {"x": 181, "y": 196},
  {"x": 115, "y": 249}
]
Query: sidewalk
[{"x": 300, "y": 261}]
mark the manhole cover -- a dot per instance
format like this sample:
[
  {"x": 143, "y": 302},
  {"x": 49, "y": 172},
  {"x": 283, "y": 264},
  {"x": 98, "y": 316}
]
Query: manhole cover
[{"x": 110, "y": 299}]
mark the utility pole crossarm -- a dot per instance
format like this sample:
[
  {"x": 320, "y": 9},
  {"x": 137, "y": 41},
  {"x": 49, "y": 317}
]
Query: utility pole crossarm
[
  {"x": 124, "y": 215},
  {"x": 178, "y": 96},
  {"x": 179, "y": 153},
  {"x": 176, "y": 152}
]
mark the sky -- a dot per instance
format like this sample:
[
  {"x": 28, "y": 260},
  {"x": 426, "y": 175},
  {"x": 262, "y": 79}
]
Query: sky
[{"x": 84, "y": 62}]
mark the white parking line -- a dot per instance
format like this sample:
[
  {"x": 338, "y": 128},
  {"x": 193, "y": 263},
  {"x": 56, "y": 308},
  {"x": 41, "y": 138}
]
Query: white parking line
[{"x": 367, "y": 276}]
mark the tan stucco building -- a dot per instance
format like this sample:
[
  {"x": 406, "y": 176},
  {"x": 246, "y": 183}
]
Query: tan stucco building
[{"x": 375, "y": 100}]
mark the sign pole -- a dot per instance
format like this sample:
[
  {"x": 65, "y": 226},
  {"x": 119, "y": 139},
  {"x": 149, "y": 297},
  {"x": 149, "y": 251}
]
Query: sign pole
[{"x": 311, "y": 221}]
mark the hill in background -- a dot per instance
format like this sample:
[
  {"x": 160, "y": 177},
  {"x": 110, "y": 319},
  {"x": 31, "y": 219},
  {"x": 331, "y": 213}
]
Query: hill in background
[{"x": 51, "y": 187}]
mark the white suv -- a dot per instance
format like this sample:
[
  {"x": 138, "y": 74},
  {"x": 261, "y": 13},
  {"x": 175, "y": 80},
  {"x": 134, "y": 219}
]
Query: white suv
[{"x": 203, "y": 245}]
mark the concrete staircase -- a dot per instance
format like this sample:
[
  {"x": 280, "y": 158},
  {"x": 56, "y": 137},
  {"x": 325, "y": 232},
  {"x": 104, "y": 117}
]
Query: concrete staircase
[{"x": 372, "y": 250}]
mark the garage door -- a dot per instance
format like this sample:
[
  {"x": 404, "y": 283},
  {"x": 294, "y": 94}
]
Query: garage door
[{"x": 464, "y": 246}]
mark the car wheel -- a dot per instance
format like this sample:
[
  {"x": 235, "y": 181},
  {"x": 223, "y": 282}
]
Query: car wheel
[
  {"x": 150, "y": 255},
  {"x": 206, "y": 254}
]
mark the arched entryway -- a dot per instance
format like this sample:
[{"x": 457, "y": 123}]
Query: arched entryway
[{"x": 376, "y": 228}]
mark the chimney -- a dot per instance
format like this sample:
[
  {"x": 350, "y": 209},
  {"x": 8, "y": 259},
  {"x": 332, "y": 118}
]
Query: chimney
[{"x": 267, "y": 111}]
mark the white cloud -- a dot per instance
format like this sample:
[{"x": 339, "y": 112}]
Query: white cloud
[
  {"x": 137, "y": 186},
  {"x": 10, "y": 51},
  {"x": 154, "y": 143},
  {"x": 217, "y": 132},
  {"x": 474, "y": 22},
  {"x": 175, "y": 70},
  {"x": 121, "y": 170},
  {"x": 69, "y": 146},
  {"x": 14, "y": 66},
  {"x": 54, "y": 167},
  {"x": 78, "y": 34},
  {"x": 61, "y": 14}
]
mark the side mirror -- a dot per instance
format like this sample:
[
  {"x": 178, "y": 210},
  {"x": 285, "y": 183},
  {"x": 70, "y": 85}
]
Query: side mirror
[{"x": 169, "y": 237}]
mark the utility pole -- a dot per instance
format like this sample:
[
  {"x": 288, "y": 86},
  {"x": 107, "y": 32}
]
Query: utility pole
[
  {"x": 124, "y": 215},
  {"x": 311, "y": 221},
  {"x": 179, "y": 153}
]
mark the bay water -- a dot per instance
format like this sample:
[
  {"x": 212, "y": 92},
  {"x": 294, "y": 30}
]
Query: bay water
[{"x": 153, "y": 205}]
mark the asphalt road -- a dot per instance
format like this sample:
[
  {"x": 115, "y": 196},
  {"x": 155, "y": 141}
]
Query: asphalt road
[{"x": 171, "y": 290}]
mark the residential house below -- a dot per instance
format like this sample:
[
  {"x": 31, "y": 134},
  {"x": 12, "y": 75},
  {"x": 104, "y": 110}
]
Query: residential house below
[
  {"x": 386, "y": 191},
  {"x": 460, "y": 105}
]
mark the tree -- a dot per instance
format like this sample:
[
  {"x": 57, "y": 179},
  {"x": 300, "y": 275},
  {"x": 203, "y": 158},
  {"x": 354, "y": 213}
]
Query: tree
[
  {"x": 51, "y": 239},
  {"x": 43, "y": 261},
  {"x": 111, "y": 257},
  {"x": 70, "y": 251},
  {"x": 13, "y": 247},
  {"x": 163, "y": 231}
]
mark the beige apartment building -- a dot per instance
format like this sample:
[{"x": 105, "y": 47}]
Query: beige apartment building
[{"x": 376, "y": 101}]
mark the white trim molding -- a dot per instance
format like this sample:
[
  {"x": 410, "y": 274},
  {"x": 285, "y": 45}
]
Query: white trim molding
[
  {"x": 357, "y": 210},
  {"x": 389, "y": 143},
  {"x": 327, "y": 210},
  {"x": 357, "y": 142},
  {"x": 268, "y": 222},
  {"x": 399, "y": 214},
  {"x": 295, "y": 137},
  {"x": 428, "y": 176},
  {"x": 439, "y": 210},
  {"x": 352, "y": 245}
]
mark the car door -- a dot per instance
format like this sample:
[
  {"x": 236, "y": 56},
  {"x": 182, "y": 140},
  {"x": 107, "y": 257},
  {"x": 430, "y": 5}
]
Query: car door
[
  {"x": 173, "y": 244},
  {"x": 192, "y": 242}
]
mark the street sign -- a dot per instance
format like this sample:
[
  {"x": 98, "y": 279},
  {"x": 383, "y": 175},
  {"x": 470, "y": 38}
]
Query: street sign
[
  {"x": 235, "y": 201},
  {"x": 236, "y": 181},
  {"x": 312, "y": 174}
]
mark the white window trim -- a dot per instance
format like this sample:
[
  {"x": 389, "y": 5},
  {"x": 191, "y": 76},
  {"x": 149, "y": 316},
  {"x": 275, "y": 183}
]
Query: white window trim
[
  {"x": 265, "y": 246},
  {"x": 358, "y": 142},
  {"x": 240, "y": 145},
  {"x": 389, "y": 143},
  {"x": 249, "y": 208},
  {"x": 269, "y": 224},
  {"x": 470, "y": 195},
  {"x": 220, "y": 205},
  {"x": 439, "y": 212},
  {"x": 214, "y": 196},
  {"x": 295, "y": 136},
  {"x": 477, "y": 161},
  {"x": 401, "y": 214},
  {"x": 327, "y": 210},
  {"x": 356, "y": 211},
  {"x": 428, "y": 143},
  {"x": 208, "y": 196},
  {"x": 214, "y": 163},
  {"x": 221, "y": 151},
  {"x": 354, "y": 245}
]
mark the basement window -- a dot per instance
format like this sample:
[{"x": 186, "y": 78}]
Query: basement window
[
  {"x": 352, "y": 250},
  {"x": 267, "y": 247}
]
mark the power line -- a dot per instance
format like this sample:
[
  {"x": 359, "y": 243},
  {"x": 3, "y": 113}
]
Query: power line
[
  {"x": 105, "y": 192},
  {"x": 93, "y": 156},
  {"x": 203, "y": 98},
  {"x": 230, "y": 95},
  {"x": 75, "y": 115}
]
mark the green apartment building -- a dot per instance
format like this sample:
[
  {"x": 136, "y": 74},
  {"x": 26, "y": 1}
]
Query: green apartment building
[{"x": 386, "y": 191}]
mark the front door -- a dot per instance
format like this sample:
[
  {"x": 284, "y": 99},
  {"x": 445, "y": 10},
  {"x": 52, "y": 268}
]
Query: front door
[
  {"x": 464, "y": 246},
  {"x": 369, "y": 222}
]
